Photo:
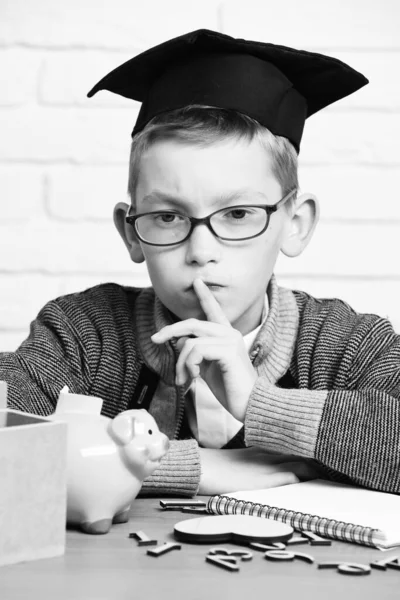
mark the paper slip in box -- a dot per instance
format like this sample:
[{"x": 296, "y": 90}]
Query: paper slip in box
[{"x": 32, "y": 486}]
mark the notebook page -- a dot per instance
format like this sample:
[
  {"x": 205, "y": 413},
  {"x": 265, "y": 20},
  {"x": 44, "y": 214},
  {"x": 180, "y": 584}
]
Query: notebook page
[{"x": 334, "y": 501}]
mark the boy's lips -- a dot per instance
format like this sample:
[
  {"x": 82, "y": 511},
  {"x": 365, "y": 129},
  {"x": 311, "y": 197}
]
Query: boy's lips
[{"x": 210, "y": 284}]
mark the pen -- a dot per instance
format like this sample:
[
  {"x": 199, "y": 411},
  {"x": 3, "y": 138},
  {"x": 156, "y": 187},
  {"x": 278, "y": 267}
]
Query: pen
[{"x": 181, "y": 503}]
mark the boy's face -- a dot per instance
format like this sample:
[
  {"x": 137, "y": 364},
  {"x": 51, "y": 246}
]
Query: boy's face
[{"x": 202, "y": 180}]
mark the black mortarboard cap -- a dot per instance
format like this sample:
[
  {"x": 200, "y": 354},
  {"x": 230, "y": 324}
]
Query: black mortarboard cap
[{"x": 277, "y": 86}]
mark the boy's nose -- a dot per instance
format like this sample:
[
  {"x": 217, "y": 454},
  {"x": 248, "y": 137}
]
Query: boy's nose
[{"x": 203, "y": 247}]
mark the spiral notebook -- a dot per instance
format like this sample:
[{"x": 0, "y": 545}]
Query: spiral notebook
[{"x": 329, "y": 509}]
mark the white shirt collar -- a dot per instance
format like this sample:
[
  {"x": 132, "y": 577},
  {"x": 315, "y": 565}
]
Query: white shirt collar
[{"x": 251, "y": 336}]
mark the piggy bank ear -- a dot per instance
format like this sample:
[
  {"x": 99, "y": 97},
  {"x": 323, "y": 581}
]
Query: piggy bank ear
[{"x": 122, "y": 428}]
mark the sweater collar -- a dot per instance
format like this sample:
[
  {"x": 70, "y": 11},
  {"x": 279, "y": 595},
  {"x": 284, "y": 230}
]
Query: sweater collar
[
  {"x": 270, "y": 352},
  {"x": 273, "y": 347},
  {"x": 151, "y": 316}
]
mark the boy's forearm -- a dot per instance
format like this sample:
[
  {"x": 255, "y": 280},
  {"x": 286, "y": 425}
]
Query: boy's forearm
[
  {"x": 354, "y": 433},
  {"x": 178, "y": 473},
  {"x": 284, "y": 421}
]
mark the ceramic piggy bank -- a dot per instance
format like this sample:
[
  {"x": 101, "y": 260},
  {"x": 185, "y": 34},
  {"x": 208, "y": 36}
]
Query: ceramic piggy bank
[{"x": 107, "y": 461}]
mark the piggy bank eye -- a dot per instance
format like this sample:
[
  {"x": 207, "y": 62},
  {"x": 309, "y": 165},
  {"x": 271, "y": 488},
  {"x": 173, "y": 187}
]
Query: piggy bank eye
[{"x": 150, "y": 432}]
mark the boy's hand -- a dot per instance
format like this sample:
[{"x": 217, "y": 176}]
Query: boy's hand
[
  {"x": 225, "y": 471},
  {"x": 216, "y": 352}
]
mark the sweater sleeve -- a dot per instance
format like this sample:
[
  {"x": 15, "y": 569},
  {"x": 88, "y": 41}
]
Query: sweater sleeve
[
  {"x": 346, "y": 412},
  {"x": 178, "y": 473},
  {"x": 51, "y": 357}
]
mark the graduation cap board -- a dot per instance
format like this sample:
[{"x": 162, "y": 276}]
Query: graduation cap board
[{"x": 279, "y": 87}]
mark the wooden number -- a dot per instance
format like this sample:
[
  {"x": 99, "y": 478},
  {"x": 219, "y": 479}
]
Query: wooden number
[
  {"x": 316, "y": 540},
  {"x": 392, "y": 562},
  {"x": 224, "y": 562},
  {"x": 353, "y": 569},
  {"x": 163, "y": 549},
  {"x": 279, "y": 555}
]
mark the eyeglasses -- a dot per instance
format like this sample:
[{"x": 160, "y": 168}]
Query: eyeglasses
[{"x": 234, "y": 223}]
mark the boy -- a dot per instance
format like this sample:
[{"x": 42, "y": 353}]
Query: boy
[{"x": 253, "y": 382}]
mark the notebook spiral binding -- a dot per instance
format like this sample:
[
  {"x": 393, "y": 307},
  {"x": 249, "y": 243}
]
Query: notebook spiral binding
[{"x": 339, "y": 530}]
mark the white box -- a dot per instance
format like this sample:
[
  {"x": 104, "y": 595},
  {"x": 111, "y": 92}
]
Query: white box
[{"x": 33, "y": 495}]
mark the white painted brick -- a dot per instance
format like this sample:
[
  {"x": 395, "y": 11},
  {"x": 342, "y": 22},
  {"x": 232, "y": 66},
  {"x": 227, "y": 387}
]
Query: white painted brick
[
  {"x": 19, "y": 71},
  {"x": 53, "y": 247},
  {"x": 87, "y": 67},
  {"x": 10, "y": 340},
  {"x": 311, "y": 23},
  {"x": 366, "y": 250},
  {"x": 101, "y": 136},
  {"x": 376, "y": 296},
  {"x": 21, "y": 192},
  {"x": 77, "y": 193},
  {"x": 353, "y": 193},
  {"x": 106, "y": 24},
  {"x": 22, "y": 296},
  {"x": 75, "y": 135},
  {"x": 351, "y": 138}
]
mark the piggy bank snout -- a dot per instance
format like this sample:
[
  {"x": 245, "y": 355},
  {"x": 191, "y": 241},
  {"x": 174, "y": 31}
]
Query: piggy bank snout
[
  {"x": 159, "y": 448},
  {"x": 151, "y": 447},
  {"x": 136, "y": 430}
]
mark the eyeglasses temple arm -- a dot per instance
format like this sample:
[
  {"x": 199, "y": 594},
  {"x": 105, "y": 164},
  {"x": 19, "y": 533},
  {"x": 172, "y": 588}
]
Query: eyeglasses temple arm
[{"x": 285, "y": 199}]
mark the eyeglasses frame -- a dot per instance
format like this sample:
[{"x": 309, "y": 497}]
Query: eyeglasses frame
[{"x": 194, "y": 221}]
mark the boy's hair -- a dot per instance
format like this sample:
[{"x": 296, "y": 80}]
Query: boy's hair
[{"x": 204, "y": 125}]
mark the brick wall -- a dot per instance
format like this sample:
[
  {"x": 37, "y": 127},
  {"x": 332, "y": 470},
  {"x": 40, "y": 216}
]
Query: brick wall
[{"x": 63, "y": 158}]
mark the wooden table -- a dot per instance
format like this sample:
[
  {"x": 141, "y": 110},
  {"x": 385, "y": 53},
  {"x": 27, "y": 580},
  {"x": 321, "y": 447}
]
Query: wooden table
[{"x": 112, "y": 566}]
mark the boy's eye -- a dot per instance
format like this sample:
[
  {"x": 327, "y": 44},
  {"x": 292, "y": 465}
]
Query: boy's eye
[
  {"x": 168, "y": 218},
  {"x": 237, "y": 213}
]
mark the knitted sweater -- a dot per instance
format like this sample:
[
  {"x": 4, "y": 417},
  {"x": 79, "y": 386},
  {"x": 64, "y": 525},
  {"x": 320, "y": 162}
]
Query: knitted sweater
[{"x": 341, "y": 409}]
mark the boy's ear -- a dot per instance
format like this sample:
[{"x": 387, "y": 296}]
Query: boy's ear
[
  {"x": 300, "y": 225},
  {"x": 127, "y": 232}
]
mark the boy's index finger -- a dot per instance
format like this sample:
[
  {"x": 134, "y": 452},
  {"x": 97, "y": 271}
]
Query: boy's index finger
[{"x": 210, "y": 305}]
